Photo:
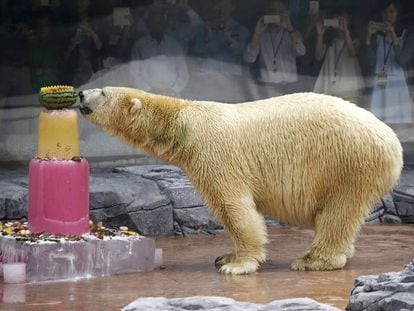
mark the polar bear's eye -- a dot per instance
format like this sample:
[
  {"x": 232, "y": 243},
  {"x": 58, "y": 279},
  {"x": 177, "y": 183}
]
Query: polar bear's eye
[{"x": 103, "y": 93}]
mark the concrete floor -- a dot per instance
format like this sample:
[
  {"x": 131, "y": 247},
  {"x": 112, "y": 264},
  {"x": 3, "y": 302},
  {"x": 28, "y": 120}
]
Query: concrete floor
[{"x": 189, "y": 271}]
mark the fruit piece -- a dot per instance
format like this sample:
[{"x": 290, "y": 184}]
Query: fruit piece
[{"x": 57, "y": 97}]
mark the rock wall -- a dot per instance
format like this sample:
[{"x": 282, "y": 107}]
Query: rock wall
[
  {"x": 158, "y": 200},
  {"x": 386, "y": 292}
]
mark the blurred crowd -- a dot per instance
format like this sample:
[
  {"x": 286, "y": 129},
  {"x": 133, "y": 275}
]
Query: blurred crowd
[{"x": 359, "y": 50}]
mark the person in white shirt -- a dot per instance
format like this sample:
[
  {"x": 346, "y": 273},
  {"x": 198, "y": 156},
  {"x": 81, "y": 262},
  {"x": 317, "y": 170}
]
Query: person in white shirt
[
  {"x": 340, "y": 74},
  {"x": 277, "y": 44},
  {"x": 158, "y": 60}
]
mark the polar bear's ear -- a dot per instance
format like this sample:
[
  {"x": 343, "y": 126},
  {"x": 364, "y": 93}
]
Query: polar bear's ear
[{"x": 136, "y": 104}]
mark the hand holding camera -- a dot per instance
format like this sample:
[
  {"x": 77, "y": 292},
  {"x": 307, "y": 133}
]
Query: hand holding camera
[
  {"x": 286, "y": 23},
  {"x": 343, "y": 24},
  {"x": 260, "y": 26},
  {"x": 320, "y": 28}
]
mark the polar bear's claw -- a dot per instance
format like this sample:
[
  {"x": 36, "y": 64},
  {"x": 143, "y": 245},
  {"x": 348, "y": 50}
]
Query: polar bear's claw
[{"x": 225, "y": 259}]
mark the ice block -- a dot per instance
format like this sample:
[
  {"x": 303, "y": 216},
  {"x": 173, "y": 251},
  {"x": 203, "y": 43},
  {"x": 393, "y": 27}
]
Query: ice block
[
  {"x": 58, "y": 196},
  {"x": 58, "y": 134},
  {"x": 66, "y": 260}
]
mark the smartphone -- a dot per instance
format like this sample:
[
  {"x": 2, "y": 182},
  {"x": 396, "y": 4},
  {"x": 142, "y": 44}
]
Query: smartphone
[
  {"x": 379, "y": 26},
  {"x": 314, "y": 7},
  {"x": 271, "y": 19},
  {"x": 331, "y": 22}
]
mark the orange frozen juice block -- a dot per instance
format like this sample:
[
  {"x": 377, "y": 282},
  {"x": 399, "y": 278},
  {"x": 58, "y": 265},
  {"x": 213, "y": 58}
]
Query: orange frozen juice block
[{"x": 58, "y": 134}]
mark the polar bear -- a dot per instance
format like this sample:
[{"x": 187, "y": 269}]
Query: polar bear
[{"x": 306, "y": 159}]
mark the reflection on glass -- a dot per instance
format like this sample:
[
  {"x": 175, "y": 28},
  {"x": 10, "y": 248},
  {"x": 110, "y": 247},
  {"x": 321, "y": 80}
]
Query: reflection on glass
[{"x": 222, "y": 50}]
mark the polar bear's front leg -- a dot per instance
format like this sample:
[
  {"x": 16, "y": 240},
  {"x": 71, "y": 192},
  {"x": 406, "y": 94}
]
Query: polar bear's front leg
[{"x": 247, "y": 229}]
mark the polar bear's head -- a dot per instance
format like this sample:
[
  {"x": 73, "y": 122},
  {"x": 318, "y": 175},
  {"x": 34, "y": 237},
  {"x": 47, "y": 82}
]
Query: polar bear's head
[
  {"x": 131, "y": 114},
  {"x": 115, "y": 109},
  {"x": 103, "y": 106}
]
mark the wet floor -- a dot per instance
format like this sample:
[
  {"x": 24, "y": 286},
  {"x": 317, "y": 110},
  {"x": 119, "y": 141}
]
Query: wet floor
[{"x": 189, "y": 271}]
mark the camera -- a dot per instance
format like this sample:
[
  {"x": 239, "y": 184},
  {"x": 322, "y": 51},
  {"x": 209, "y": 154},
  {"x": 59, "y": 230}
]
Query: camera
[
  {"x": 271, "y": 19},
  {"x": 331, "y": 22},
  {"x": 382, "y": 27}
]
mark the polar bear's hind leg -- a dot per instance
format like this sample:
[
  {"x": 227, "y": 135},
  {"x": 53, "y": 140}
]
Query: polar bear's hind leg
[{"x": 335, "y": 229}]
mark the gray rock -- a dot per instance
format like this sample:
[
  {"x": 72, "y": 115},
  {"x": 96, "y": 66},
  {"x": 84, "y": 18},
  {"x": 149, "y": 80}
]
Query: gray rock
[
  {"x": 148, "y": 169},
  {"x": 109, "y": 189},
  {"x": 157, "y": 222},
  {"x": 195, "y": 220},
  {"x": 405, "y": 210},
  {"x": 16, "y": 174},
  {"x": 387, "y": 292},
  {"x": 403, "y": 196},
  {"x": 181, "y": 196},
  {"x": 176, "y": 186},
  {"x": 388, "y": 203},
  {"x": 391, "y": 219},
  {"x": 104, "y": 214},
  {"x": 13, "y": 200},
  {"x": 222, "y": 303},
  {"x": 376, "y": 214},
  {"x": 405, "y": 184},
  {"x": 305, "y": 304},
  {"x": 397, "y": 301},
  {"x": 103, "y": 195}
]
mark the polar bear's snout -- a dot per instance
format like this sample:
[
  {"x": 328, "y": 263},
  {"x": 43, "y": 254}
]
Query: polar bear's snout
[{"x": 89, "y": 99}]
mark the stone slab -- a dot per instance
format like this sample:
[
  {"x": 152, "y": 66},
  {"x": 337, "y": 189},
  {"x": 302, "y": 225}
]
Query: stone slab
[{"x": 222, "y": 303}]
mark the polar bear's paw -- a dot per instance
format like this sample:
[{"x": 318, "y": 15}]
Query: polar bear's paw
[
  {"x": 240, "y": 266},
  {"x": 309, "y": 263}
]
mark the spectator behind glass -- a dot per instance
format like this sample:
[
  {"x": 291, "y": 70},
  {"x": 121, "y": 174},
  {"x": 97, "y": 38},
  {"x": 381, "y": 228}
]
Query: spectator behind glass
[
  {"x": 221, "y": 37},
  {"x": 14, "y": 60},
  {"x": 44, "y": 55},
  {"x": 277, "y": 44},
  {"x": 158, "y": 59},
  {"x": 217, "y": 71},
  {"x": 118, "y": 33},
  {"x": 340, "y": 74},
  {"x": 388, "y": 48},
  {"x": 84, "y": 45},
  {"x": 182, "y": 22}
]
